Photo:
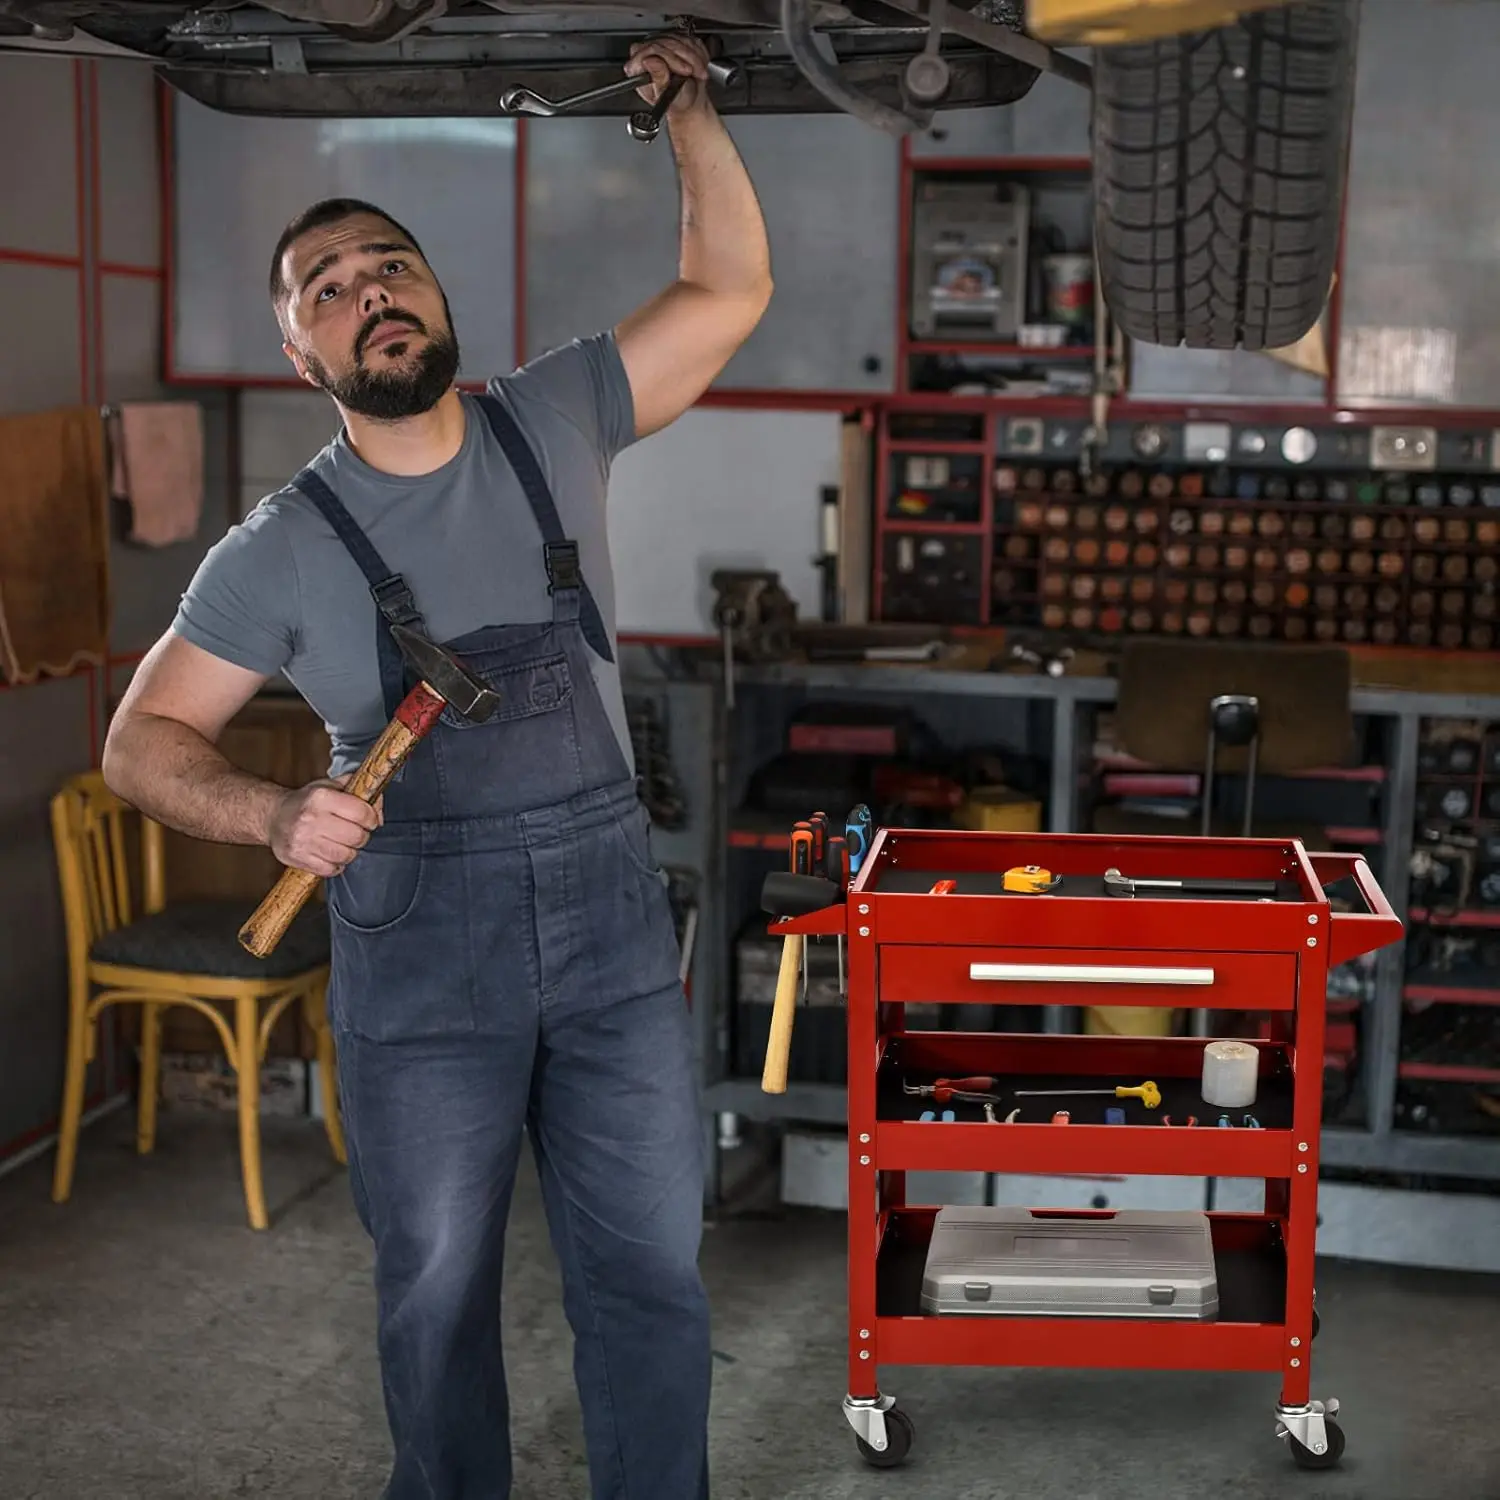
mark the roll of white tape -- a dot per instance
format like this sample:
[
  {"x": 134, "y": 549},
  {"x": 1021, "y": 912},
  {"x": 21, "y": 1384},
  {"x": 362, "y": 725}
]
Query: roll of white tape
[{"x": 1230, "y": 1070}]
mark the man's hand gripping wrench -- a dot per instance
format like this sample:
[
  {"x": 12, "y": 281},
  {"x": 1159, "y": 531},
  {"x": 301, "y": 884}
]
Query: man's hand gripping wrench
[{"x": 644, "y": 124}]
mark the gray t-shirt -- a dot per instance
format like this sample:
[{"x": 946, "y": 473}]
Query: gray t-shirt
[{"x": 280, "y": 593}]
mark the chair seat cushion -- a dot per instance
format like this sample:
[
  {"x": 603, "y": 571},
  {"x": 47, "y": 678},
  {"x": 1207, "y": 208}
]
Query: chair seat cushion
[{"x": 202, "y": 937}]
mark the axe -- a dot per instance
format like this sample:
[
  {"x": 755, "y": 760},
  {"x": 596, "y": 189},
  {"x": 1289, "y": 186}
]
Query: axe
[{"x": 444, "y": 683}]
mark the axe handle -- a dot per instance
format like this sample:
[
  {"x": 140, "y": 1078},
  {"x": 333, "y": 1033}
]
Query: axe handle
[
  {"x": 779, "y": 1045},
  {"x": 414, "y": 719}
]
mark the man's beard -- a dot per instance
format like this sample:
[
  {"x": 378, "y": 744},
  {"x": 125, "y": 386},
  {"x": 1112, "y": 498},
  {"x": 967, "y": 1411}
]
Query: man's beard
[{"x": 393, "y": 394}]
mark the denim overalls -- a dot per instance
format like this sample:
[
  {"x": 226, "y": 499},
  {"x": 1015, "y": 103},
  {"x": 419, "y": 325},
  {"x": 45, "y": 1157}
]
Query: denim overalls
[{"x": 504, "y": 957}]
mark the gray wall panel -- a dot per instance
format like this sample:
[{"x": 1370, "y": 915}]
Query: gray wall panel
[
  {"x": 44, "y": 738},
  {"x": 38, "y": 184},
  {"x": 239, "y": 180},
  {"x": 132, "y": 338},
  {"x": 1228, "y": 374},
  {"x": 41, "y": 367},
  {"x": 1052, "y": 120},
  {"x": 280, "y": 431},
  {"x": 1423, "y": 216},
  {"x": 129, "y": 168},
  {"x": 601, "y": 238},
  {"x": 718, "y": 488}
]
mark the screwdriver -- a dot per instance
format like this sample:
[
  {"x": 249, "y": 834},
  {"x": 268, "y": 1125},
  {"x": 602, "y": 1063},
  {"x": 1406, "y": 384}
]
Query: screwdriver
[
  {"x": 819, "y": 825},
  {"x": 802, "y": 843},
  {"x": 857, "y": 832},
  {"x": 836, "y": 868},
  {"x": 1147, "y": 1093}
]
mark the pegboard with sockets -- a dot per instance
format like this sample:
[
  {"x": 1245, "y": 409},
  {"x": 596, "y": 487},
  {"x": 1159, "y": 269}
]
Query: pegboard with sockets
[{"x": 1249, "y": 555}]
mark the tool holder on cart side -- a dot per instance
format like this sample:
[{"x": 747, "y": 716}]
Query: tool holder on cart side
[{"x": 928, "y": 919}]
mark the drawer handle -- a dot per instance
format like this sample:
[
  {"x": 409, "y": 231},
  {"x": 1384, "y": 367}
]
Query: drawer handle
[{"x": 1090, "y": 974}]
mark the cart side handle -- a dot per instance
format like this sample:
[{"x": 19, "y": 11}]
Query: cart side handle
[{"x": 1353, "y": 933}]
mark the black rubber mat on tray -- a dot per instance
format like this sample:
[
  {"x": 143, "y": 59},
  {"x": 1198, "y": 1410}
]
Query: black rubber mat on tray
[
  {"x": 1252, "y": 1282},
  {"x": 897, "y": 881},
  {"x": 1180, "y": 1098}
]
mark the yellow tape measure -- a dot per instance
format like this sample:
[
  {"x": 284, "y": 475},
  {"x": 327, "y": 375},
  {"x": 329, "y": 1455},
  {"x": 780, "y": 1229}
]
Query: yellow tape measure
[{"x": 1031, "y": 880}]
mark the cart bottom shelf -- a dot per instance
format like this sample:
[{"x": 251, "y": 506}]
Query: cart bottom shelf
[{"x": 1250, "y": 1332}]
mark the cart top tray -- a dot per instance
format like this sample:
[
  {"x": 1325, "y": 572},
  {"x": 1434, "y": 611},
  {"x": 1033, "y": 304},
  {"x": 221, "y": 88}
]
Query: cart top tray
[{"x": 898, "y": 880}]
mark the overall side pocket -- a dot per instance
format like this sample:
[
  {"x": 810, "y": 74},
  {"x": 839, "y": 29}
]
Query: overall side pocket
[{"x": 400, "y": 971}]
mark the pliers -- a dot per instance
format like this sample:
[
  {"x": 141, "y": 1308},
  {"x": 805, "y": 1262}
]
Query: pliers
[{"x": 974, "y": 1090}]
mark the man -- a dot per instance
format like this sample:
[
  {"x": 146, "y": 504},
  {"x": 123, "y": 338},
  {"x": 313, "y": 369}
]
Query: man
[{"x": 503, "y": 952}]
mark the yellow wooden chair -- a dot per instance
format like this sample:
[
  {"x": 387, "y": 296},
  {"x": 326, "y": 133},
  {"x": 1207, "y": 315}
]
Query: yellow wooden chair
[{"x": 187, "y": 953}]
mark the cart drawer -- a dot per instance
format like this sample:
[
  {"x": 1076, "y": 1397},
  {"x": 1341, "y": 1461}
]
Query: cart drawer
[{"x": 913, "y": 973}]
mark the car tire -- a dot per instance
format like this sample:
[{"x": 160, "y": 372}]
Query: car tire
[{"x": 1219, "y": 164}]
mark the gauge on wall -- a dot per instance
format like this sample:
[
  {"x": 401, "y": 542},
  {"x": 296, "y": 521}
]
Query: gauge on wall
[
  {"x": 1298, "y": 445},
  {"x": 1148, "y": 440}
]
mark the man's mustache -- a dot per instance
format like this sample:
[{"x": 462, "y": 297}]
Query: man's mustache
[{"x": 368, "y": 331}]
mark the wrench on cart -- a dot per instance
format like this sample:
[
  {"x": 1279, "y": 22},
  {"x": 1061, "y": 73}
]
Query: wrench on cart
[{"x": 1116, "y": 884}]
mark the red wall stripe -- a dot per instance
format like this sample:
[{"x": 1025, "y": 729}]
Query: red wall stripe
[
  {"x": 96, "y": 234},
  {"x": 119, "y": 268},
  {"x": 16, "y": 257},
  {"x": 80, "y": 208}
]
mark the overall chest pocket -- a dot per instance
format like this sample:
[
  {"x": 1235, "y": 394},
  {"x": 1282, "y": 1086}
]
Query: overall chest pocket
[{"x": 525, "y": 689}]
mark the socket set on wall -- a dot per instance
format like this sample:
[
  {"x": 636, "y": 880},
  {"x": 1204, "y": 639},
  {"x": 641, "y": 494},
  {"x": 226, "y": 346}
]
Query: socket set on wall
[
  {"x": 1238, "y": 553},
  {"x": 1376, "y": 535}
]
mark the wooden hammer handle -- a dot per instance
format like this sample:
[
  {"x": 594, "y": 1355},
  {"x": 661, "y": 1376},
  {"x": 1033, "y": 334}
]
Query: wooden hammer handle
[
  {"x": 779, "y": 1046},
  {"x": 414, "y": 719}
]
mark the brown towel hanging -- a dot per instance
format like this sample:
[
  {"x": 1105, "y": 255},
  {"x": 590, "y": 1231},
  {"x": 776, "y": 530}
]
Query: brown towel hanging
[{"x": 54, "y": 543}]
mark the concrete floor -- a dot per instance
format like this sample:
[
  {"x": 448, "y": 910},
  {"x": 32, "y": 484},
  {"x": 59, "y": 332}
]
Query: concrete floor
[{"x": 153, "y": 1348}]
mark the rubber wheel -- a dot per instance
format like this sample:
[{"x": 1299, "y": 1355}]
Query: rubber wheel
[
  {"x": 1219, "y": 164},
  {"x": 898, "y": 1439},
  {"x": 1307, "y": 1459}
]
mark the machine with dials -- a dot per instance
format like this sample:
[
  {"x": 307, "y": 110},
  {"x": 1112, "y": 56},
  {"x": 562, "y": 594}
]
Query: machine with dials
[{"x": 1386, "y": 448}]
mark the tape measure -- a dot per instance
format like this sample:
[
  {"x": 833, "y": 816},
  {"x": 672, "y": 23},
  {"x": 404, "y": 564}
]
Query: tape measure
[{"x": 1031, "y": 880}]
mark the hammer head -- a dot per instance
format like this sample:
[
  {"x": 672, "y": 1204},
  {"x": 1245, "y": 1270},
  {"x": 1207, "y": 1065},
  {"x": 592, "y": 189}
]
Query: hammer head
[
  {"x": 447, "y": 676},
  {"x": 1116, "y": 884}
]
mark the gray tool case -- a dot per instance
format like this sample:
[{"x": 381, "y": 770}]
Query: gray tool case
[{"x": 1021, "y": 1262}]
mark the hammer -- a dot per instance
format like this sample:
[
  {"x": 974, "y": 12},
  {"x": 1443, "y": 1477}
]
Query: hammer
[
  {"x": 1116, "y": 884},
  {"x": 445, "y": 683}
]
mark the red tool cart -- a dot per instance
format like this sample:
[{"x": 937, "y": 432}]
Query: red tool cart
[{"x": 1235, "y": 925}]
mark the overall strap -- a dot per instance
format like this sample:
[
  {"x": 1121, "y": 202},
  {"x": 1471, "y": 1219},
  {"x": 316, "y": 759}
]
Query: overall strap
[
  {"x": 560, "y": 552},
  {"x": 392, "y": 596}
]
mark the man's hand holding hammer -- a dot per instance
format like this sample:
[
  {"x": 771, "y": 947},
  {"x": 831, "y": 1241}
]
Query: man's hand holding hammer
[{"x": 320, "y": 827}]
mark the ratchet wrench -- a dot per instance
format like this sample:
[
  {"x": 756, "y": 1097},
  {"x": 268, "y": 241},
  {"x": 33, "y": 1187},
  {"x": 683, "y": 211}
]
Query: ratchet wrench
[{"x": 644, "y": 124}]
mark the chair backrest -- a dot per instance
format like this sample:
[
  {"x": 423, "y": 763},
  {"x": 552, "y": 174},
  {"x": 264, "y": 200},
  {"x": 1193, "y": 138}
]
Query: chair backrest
[
  {"x": 91, "y": 829},
  {"x": 1166, "y": 687}
]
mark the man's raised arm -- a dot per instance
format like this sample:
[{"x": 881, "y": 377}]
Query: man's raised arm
[{"x": 675, "y": 346}]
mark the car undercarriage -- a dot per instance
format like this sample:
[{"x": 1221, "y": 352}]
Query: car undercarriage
[
  {"x": 1218, "y": 152},
  {"x": 427, "y": 57}
]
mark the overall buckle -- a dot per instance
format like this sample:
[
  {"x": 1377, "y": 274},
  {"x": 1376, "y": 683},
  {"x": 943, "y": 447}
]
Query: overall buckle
[
  {"x": 394, "y": 600},
  {"x": 563, "y": 570}
]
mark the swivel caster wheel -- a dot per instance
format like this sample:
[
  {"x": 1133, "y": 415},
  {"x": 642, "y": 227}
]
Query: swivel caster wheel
[
  {"x": 898, "y": 1440},
  {"x": 1316, "y": 1441},
  {"x": 1305, "y": 1458}
]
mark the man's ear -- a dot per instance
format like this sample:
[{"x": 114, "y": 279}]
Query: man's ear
[{"x": 290, "y": 350}]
